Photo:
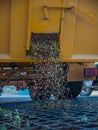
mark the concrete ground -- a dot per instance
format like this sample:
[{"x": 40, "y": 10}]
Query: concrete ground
[
  {"x": 14, "y": 98},
  {"x": 94, "y": 93},
  {"x": 18, "y": 98}
]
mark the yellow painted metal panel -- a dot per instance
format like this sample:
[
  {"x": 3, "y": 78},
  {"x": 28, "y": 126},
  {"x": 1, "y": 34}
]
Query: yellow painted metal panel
[
  {"x": 67, "y": 31},
  {"x": 76, "y": 72},
  {"x": 18, "y": 35},
  {"x": 77, "y": 27},
  {"x": 46, "y": 20},
  {"x": 79, "y": 33},
  {"x": 29, "y": 24},
  {"x": 4, "y": 25},
  {"x": 86, "y": 31}
]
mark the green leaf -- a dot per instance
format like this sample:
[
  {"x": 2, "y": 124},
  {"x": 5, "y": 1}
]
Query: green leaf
[{"x": 2, "y": 127}]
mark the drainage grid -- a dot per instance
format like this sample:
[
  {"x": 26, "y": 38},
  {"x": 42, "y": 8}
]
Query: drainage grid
[{"x": 81, "y": 114}]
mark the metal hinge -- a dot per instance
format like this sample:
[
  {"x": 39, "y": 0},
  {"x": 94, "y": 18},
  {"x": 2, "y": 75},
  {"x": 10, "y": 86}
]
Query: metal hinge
[{"x": 90, "y": 14}]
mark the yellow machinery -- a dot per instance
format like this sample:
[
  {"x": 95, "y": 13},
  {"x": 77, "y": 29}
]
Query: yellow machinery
[{"x": 74, "y": 21}]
